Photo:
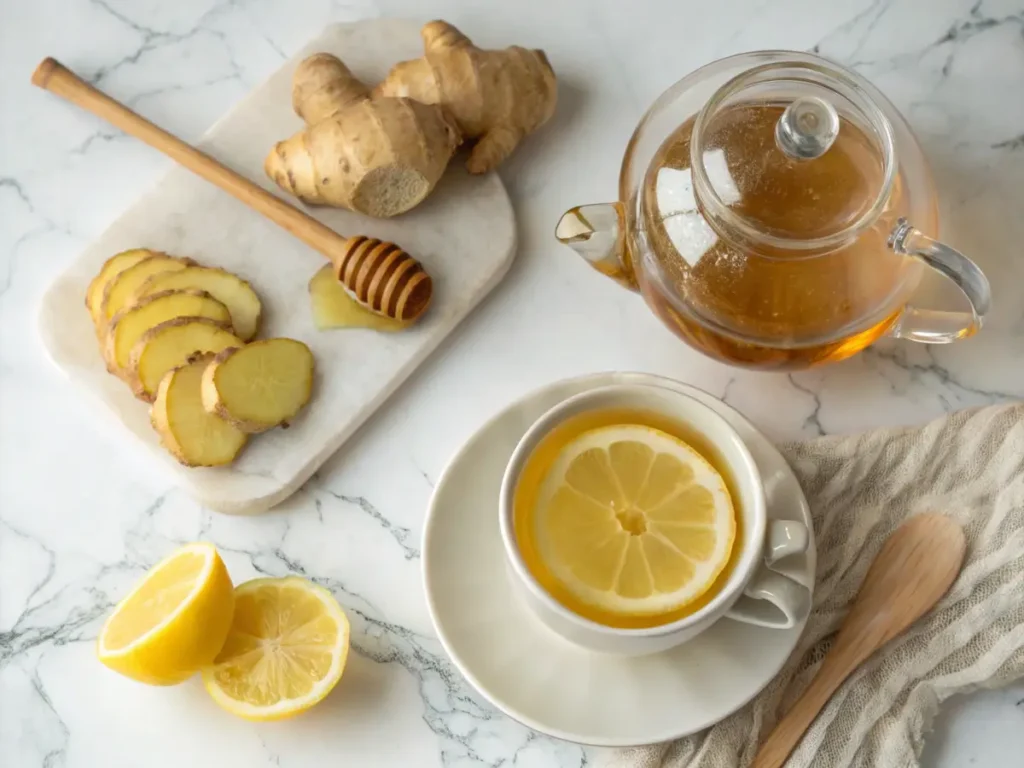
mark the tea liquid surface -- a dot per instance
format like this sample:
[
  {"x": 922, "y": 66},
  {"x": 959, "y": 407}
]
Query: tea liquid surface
[{"x": 543, "y": 458}]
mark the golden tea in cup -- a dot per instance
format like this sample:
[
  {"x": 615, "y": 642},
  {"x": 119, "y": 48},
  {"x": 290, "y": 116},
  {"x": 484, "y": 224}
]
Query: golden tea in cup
[
  {"x": 634, "y": 517},
  {"x": 625, "y": 502}
]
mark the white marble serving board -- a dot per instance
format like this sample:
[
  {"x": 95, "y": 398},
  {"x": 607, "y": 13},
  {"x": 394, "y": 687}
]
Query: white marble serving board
[{"x": 464, "y": 234}]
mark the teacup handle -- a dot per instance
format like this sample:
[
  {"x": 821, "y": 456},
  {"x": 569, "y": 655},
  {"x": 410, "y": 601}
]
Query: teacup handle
[
  {"x": 770, "y": 599},
  {"x": 935, "y": 326}
]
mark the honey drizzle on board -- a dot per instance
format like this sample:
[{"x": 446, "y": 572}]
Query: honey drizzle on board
[
  {"x": 346, "y": 312},
  {"x": 538, "y": 464}
]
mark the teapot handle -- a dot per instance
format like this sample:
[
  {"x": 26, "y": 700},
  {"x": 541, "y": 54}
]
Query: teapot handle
[{"x": 935, "y": 326}]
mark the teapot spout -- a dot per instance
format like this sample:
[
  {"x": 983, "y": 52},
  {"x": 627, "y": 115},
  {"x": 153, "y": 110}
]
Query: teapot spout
[{"x": 597, "y": 233}]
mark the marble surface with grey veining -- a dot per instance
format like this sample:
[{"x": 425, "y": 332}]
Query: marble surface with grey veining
[{"x": 82, "y": 516}]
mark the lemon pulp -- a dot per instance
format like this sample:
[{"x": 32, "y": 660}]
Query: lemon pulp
[
  {"x": 285, "y": 651},
  {"x": 633, "y": 521}
]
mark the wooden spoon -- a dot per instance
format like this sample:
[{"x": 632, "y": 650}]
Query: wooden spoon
[
  {"x": 380, "y": 276},
  {"x": 911, "y": 572}
]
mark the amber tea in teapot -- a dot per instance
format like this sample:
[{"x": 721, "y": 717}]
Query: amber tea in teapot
[
  {"x": 787, "y": 195},
  {"x": 764, "y": 216}
]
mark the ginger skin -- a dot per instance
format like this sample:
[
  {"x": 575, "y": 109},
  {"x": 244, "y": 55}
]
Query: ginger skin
[
  {"x": 496, "y": 97},
  {"x": 373, "y": 154}
]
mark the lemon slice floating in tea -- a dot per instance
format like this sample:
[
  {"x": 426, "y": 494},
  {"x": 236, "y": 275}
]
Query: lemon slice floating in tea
[{"x": 634, "y": 521}]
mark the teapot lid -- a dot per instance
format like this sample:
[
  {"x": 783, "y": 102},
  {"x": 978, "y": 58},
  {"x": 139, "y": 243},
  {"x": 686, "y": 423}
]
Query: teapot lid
[{"x": 793, "y": 154}]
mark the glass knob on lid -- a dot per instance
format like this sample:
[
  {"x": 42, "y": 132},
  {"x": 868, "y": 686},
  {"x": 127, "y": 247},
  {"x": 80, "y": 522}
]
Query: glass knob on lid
[{"x": 807, "y": 128}]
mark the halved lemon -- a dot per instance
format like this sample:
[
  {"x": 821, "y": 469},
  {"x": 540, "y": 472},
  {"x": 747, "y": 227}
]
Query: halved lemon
[
  {"x": 633, "y": 521},
  {"x": 285, "y": 651},
  {"x": 174, "y": 621}
]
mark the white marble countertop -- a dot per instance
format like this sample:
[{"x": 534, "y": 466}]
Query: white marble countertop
[{"x": 81, "y": 518}]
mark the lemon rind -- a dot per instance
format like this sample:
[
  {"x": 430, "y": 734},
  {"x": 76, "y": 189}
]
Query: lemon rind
[{"x": 208, "y": 551}]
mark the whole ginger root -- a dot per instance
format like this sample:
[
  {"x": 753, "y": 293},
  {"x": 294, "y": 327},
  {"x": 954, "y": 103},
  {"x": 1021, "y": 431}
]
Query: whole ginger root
[
  {"x": 373, "y": 154},
  {"x": 496, "y": 97}
]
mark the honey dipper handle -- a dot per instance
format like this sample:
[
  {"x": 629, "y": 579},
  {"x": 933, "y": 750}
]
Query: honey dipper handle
[{"x": 56, "y": 78}]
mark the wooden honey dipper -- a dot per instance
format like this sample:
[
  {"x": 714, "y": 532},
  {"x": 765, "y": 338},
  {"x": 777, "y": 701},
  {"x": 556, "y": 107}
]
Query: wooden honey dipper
[{"x": 379, "y": 275}]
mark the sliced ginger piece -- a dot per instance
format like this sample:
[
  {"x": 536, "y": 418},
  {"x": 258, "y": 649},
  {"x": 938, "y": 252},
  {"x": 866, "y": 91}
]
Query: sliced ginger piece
[
  {"x": 260, "y": 386},
  {"x": 128, "y": 325},
  {"x": 193, "y": 436},
  {"x": 171, "y": 344},
  {"x": 120, "y": 291},
  {"x": 227, "y": 288},
  {"x": 112, "y": 267},
  {"x": 334, "y": 308}
]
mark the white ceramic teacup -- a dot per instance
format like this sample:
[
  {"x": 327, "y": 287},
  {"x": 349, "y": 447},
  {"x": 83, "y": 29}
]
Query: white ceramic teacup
[{"x": 753, "y": 593}]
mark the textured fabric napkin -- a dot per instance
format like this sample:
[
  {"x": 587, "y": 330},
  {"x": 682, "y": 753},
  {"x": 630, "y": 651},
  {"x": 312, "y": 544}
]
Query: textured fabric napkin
[{"x": 970, "y": 466}]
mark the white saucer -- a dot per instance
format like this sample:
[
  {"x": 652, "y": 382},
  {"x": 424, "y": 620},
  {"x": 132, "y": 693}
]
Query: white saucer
[{"x": 543, "y": 681}]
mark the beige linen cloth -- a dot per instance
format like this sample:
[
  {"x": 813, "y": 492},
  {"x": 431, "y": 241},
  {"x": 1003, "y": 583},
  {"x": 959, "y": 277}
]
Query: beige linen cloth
[{"x": 969, "y": 465}]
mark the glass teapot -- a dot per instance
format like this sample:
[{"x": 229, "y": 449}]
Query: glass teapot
[{"x": 769, "y": 212}]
